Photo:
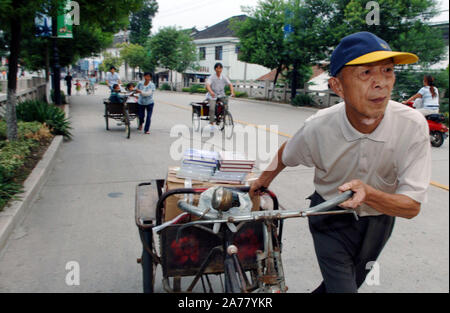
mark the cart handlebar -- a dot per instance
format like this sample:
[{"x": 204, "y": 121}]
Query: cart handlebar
[{"x": 321, "y": 209}]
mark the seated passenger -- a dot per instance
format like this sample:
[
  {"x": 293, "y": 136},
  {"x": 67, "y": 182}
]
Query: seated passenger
[
  {"x": 115, "y": 96},
  {"x": 132, "y": 98}
]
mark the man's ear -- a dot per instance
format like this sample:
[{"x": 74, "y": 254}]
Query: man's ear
[{"x": 336, "y": 86}]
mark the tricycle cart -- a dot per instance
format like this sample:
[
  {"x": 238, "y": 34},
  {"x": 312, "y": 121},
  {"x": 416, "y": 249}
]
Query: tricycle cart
[
  {"x": 224, "y": 119},
  {"x": 124, "y": 113},
  {"x": 242, "y": 253}
]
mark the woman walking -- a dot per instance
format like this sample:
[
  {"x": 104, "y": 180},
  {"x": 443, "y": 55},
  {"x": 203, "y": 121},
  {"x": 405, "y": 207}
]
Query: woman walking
[{"x": 145, "y": 89}]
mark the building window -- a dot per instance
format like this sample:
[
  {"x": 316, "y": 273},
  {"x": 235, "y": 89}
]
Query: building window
[
  {"x": 219, "y": 53},
  {"x": 202, "y": 53}
]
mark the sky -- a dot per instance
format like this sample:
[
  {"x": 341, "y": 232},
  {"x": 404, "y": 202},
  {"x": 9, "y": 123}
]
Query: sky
[{"x": 202, "y": 13}]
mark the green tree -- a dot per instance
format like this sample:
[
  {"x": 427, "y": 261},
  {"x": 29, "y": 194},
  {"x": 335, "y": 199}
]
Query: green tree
[
  {"x": 17, "y": 20},
  {"x": 403, "y": 24},
  {"x": 141, "y": 22},
  {"x": 15, "y": 17},
  {"x": 308, "y": 44},
  {"x": 108, "y": 61},
  {"x": 172, "y": 49},
  {"x": 134, "y": 55},
  {"x": 317, "y": 27},
  {"x": 262, "y": 37}
]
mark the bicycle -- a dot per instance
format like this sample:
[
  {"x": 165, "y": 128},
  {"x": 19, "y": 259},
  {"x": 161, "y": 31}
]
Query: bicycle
[{"x": 224, "y": 119}]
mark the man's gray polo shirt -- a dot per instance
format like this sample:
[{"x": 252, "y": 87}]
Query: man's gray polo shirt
[
  {"x": 395, "y": 158},
  {"x": 217, "y": 85}
]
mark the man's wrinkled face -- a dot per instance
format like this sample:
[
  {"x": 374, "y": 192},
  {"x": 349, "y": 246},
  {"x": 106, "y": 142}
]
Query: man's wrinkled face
[{"x": 366, "y": 89}]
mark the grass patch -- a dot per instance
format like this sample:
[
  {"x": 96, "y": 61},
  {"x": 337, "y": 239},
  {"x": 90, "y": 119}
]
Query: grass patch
[{"x": 18, "y": 158}]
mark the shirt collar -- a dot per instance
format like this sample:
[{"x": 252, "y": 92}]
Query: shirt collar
[{"x": 381, "y": 133}]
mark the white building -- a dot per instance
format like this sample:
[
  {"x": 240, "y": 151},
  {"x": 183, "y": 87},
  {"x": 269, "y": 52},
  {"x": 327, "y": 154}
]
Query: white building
[{"x": 219, "y": 44}]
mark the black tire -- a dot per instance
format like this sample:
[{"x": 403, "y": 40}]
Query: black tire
[
  {"x": 148, "y": 266},
  {"x": 436, "y": 138},
  {"x": 231, "y": 276},
  {"x": 127, "y": 124},
  {"x": 106, "y": 118},
  {"x": 196, "y": 121},
  {"x": 228, "y": 125}
]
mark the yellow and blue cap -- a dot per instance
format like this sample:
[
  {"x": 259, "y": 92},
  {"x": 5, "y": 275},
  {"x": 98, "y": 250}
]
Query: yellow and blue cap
[{"x": 365, "y": 47}]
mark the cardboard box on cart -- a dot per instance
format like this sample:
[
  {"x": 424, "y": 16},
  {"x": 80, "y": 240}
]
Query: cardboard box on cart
[{"x": 171, "y": 209}]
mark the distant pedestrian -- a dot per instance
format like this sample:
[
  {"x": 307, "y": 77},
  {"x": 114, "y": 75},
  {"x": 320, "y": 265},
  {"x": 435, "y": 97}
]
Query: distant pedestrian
[
  {"x": 78, "y": 87},
  {"x": 145, "y": 89},
  {"x": 4, "y": 76},
  {"x": 68, "y": 80}
]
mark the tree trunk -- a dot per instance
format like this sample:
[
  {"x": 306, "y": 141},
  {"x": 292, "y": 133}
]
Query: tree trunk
[
  {"x": 14, "y": 48},
  {"x": 294, "y": 81},
  {"x": 275, "y": 80},
  {"x": 126, "y": 71}
]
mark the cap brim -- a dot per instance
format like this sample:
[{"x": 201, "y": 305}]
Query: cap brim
[{"x": 399, "y": 57}]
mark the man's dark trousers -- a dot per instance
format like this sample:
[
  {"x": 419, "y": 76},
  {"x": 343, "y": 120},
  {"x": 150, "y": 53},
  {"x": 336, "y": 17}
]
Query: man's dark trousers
[{"x": 344, "y": 247}]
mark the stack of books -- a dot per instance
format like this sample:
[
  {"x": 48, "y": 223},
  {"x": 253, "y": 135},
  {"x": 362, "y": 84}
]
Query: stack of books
[
  {"x": 201, "y": 157},
  {"x": 198, "y": 164},
  {"x": 228, "y": 177},
  {"x": 231, "y": 161}
]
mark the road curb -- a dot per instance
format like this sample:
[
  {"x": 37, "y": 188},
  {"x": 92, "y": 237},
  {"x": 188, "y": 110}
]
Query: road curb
[{"x": 15, "y": 211}]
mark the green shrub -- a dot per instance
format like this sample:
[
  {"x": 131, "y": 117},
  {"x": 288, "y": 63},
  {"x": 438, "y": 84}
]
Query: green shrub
[
  {"x": 14, "y": 155},
  {"x": 239, "y": 94},
  {"x": 12, "y": 158},
  {"x": 302, "y": 100},
  {"x": 23, "y": 128},
  {"x": 197, "y": 89},
  {"x": 186, "y": 90},
  {"x": 8, "y": 190},
  {"x": 165, "y": 86},
  {"x": 54, "y": 117}
]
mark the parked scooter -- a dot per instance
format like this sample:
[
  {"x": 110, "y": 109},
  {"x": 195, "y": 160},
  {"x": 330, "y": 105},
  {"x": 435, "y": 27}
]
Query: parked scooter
[{"x": 438, "y": 131}]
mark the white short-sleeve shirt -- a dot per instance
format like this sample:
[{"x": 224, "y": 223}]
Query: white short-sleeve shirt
[
  {"x": 112, "y": 78},
  {"x": 395, "y": 158},
  {"x": 428, "y": 102},
  {"x": 218, "y": 85}
]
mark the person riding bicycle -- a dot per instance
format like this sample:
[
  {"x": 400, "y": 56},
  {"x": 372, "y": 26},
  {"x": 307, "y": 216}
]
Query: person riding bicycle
[
  {"x": 112, "y": 78},
  {"x": 216, "y": 91},
  {"x": 376, "y": 147}
]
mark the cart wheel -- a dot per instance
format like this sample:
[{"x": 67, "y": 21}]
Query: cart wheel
[
  {"x": 148, "y": 266},
  {"x": 228, "y": 125},
  {"x": 106, "y": 119},
  {"x": 127, "y": 124},
  {"x": 196, "y": 121}
]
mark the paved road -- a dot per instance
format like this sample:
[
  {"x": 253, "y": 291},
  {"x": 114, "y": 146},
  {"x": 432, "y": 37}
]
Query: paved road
[{"x": 85, "y": 211}]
